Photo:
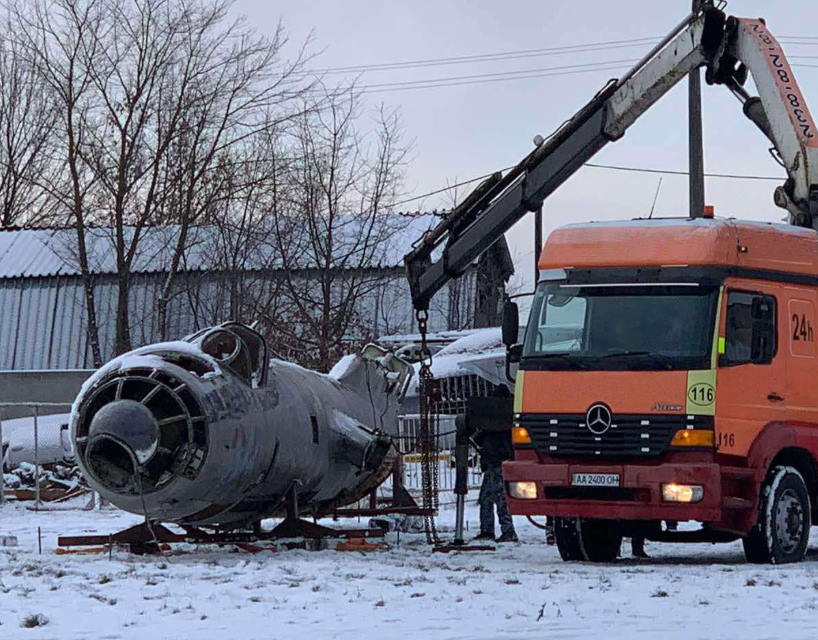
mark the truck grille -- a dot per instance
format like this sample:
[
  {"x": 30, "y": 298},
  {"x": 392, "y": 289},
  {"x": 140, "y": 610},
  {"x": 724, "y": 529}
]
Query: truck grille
[{"x": 644, "y": 435}]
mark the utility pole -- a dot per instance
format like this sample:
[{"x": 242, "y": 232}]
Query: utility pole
[
  {"x": 695, "y": 146},
  {"x": 537, "y": 242}
]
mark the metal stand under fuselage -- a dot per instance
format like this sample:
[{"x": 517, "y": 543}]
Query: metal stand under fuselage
[
  {"x": 461, "y": 489},
  {"x": 144, "y": 538}
]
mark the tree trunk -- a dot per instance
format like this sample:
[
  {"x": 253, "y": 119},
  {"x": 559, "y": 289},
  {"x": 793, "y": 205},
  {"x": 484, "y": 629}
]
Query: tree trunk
[{"x": 122, "y": 341}]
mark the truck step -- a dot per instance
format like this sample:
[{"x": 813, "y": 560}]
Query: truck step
[
  {"x": 699, "y": 535},
  {"x": 738, "y": 504},
  {"x": 738, "y": 473}
]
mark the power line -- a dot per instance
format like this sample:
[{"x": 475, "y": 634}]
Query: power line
[
  {"x": 440, "y": 83},
  {"x": 524, "y": 74},
  {"x": 444, "y": 189},
  {"x": 736, "y": 176},
  {"x": 522, "y": 77},
  {"x": 676, "y": 172},
  {"x": 499, "y": 74},
  {"x": 520, "y": 53},
  {"x": 488, "y": 57}
]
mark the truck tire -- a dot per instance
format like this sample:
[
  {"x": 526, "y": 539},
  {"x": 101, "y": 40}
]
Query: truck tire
[
  {"x": 782, "y": 532},
  {"x": 587, "y": 539}
]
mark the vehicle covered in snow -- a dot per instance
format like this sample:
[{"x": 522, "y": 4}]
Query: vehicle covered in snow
[
  {"x": 53, "y": 441},
  {"x": 474, "y": 365}
]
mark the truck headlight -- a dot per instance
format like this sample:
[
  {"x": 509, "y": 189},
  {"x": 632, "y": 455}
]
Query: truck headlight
[
  {"x": 523, "y": 490},
  {"x": 673, "y": 492}
]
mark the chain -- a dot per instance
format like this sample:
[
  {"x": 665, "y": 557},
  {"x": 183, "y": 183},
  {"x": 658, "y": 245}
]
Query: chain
[{"x": 427, "y": 440}]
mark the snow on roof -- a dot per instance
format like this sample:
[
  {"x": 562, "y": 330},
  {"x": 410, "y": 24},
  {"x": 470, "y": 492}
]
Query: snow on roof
[
  {"x": 434, "y": 336},
  {"x": 477, "y": 342},
  {"x": 465, "y": 356},
  {"x": 32, "y": 253}
]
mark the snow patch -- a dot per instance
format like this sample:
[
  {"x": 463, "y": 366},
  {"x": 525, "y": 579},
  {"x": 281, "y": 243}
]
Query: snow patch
[
  {"x": 522, "y": 591},
  {"x": 342, "y": 366}
]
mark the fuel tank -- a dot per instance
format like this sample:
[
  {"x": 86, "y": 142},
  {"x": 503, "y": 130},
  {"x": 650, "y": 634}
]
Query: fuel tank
[{"x": 207, "y": 431}]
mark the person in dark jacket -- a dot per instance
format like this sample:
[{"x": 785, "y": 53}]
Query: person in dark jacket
[{"x": 494, "y": 447}]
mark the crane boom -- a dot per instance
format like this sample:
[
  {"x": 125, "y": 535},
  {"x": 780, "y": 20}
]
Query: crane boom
[
  {"x": 780, "y": 110},
  {"x": 728, "y": 47}
]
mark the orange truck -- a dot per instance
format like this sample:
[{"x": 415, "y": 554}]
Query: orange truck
[
  {"x": 667, "y": 375},
  {"x": 667, "y": 369}
]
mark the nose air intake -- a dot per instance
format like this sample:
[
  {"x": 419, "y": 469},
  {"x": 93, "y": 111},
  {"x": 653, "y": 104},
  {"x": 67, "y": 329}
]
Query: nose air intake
[{"x": 140, "y": 429}]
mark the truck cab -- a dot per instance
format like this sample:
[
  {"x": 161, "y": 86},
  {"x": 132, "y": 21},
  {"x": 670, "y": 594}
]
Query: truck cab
[{"x": 666, "y": 374}]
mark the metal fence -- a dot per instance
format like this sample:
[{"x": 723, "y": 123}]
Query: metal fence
[
  {"x": 453, "y": 391},
  {"x": 408, "y": 430}
]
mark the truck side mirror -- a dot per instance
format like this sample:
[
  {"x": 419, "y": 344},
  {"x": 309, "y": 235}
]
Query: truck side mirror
[
  {"x": 511, "y": 323},
  {"x": 514, "y": 353}
]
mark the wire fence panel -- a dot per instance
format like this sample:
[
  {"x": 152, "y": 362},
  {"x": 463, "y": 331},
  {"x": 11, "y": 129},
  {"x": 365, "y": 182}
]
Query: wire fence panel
[{"x": 408, "y": 429}]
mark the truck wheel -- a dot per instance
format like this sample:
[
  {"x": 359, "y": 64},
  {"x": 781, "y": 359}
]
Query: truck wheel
[
  {"x": 782, "y": 531},
  {"x": 587, "y": 539}
]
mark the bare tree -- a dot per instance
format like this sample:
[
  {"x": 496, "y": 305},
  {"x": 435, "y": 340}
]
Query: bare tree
[
  {"x": 236, "y": 238},
  {"x": 341, "y": 187},
  {"x": 57, "y": 40},
  {"x": 28, "y": 115},
  {"x": 166, "y": 112},
  {"x": 246, "y": 255},
  {"x": 154, "y": 94},
  {"x": 239, "y": 98}
]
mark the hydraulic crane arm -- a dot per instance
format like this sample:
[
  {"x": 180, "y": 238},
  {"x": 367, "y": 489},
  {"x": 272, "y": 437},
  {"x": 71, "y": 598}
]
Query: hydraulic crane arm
[
  {"x": 500, "y": 201},
  {"x": 779, "y": 110},
  {"x": 728, "y": 47}
]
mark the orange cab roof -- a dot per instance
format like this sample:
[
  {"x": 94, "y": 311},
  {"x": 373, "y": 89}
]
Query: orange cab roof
[{"x": 680, "y": 242}]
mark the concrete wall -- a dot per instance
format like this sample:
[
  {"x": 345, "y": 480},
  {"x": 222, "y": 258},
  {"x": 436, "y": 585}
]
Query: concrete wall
[{"x": 39, "y": 386}]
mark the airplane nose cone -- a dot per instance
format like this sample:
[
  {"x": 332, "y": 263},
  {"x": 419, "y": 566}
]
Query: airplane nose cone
[
  {"x": 130, "y": 422},
  {"x": 122, "y": 436}
]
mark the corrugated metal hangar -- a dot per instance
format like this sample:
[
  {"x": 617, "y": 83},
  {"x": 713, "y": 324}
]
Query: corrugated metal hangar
[{"x": 43, "y": 319}]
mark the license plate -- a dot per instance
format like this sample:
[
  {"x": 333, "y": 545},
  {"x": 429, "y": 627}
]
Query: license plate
[{"x": 595, "y": 479}]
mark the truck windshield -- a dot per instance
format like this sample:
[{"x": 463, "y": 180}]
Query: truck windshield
[{"x": 626, "y": 327}]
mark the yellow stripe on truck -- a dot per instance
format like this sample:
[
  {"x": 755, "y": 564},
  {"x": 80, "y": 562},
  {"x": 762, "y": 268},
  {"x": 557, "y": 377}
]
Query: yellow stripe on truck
[
  {"x": 701, "y": 392},
  {"x": 518, "y": 391}
]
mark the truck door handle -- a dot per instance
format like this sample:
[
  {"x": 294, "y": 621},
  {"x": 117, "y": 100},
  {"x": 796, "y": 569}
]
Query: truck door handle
[{"x": 774, "y": 397}]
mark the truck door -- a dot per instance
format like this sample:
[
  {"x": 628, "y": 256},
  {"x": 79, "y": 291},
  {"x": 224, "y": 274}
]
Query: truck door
[
  {"x": 751, "y": 375},
  {"x": 799, "y": 336}
]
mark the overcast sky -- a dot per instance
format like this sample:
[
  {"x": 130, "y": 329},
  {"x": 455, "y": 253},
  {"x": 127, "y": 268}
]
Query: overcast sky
[{"x": 460, "y": 132}]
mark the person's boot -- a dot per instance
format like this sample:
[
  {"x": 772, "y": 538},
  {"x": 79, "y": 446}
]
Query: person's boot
[
  {"x": 550, "y": 538},
  {"x": 483, "y": 535},
  {"x": 508, "y": 536},
  {"x": 638, "y": 548}
]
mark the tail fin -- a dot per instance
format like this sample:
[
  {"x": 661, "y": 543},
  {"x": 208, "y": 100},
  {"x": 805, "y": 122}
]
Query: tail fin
[{"x": 378, "y": 373}]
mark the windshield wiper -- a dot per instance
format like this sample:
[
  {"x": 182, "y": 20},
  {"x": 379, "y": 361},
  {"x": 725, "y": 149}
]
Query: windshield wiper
[
  {"x": 658, "y": 358},
  {"x": 565, "y": 357}
]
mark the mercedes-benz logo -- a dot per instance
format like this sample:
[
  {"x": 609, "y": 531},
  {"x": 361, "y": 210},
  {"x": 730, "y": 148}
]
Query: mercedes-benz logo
[{"x": 598, "y": 419}]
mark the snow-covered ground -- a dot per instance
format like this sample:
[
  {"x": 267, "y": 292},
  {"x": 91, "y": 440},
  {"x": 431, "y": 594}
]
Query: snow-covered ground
[{"x": 518, "y": 591}]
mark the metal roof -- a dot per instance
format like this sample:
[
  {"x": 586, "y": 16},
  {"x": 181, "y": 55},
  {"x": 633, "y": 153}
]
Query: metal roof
[
  {"x": 26, "y": 253},
  {"x": 34, "y": 253}
]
